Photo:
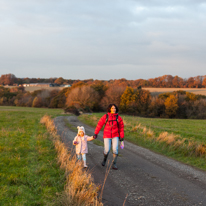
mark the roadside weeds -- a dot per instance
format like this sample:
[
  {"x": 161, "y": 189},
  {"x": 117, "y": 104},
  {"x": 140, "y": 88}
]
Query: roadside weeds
[
  {"x": 188, "y": 147},
  {"x": 79, "y": 187}
]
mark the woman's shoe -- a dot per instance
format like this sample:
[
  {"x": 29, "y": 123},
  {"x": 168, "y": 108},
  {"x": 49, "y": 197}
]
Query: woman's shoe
[
  {"x": 114, "y": 166},
  {"x": 104, "y": 160}
]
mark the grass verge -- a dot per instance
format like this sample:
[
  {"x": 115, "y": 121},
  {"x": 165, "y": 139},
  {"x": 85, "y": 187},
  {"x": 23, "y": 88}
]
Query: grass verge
[
  {"x": 183, "y": 140},
  {"x": 80, "y": 188},
  {"x": 29, "y": 172},
  {"x": 35, "y": 167}
]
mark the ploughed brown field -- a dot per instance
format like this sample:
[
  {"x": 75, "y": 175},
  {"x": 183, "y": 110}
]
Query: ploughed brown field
[{"x": 156, "y": 91}]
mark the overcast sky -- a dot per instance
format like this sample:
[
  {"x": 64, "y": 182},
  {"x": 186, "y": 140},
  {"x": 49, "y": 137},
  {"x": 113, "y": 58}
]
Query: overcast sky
[{"x": 108, "y": 39}]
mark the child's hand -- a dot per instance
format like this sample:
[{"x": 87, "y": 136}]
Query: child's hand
[{"x": 75, "y": 143}]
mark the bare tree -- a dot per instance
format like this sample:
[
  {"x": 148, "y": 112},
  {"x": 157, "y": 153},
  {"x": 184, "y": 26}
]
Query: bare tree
[
  {"x": 112, "y": 95},
  {"x": 82, "y": 97}
]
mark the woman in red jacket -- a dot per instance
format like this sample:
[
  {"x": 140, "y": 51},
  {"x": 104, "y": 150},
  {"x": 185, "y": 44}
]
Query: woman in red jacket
[{"x": 113, "y": 132}]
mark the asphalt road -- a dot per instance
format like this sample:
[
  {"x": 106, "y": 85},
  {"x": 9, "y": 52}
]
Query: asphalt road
[{"x": 143, "y": 177}]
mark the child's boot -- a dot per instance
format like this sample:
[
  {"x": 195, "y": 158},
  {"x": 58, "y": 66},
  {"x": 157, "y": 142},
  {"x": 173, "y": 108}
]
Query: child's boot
[
  {"x": 104, "y": 160},
  {"x": 114, "y": 166},
  {"x": 85, "y": 165}
]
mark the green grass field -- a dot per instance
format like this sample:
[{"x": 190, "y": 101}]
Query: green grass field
[
  {"x": 185, "y": 138},
  {"x": 29, "y": 173}
]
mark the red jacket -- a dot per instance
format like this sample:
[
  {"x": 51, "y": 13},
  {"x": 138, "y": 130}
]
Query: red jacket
[{"x": 111, "y": 128}]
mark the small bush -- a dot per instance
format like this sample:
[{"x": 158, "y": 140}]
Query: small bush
[{"x": 73, "y": 110}]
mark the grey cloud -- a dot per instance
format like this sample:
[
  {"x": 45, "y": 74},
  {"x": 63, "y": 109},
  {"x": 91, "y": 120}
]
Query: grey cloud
[{"x": 158, "y": 36}]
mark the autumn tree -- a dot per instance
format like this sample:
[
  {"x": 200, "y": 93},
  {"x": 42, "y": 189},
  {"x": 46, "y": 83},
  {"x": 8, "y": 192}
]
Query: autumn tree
[
  {"x": 135, "y": 101},
  {"x": 127, "y": 100},
  {"x": 44, "y": 97},
  {"x": 37, "y": 102},
  {"x": 3, "y": 100},
  {"x": 191, "y": 96},
  {"x": 60, "y": 80},
  {"x": 8, "y": 79},
  {"x": 23, "y": 99},
  {"x": 58, "y": 98},
  {"x": 166, "y": 81},
  {"x": 78, "y": 84},
  {"x": 83, "y": 97},
  {"x": 198, "y": 81},
  {"x": 198, "y": 108},
  {"x": 100, "y": 87},
  {"x": 190, "y": 82},
  {"x": 143, "y": 98},
  {"x": 156, "y": 108},
  {"x": 112, "y": 96},
  {"x": 204, "y": 82},
  {"x": 177, "y": 82},
  {"x": 171, "y": 106}
]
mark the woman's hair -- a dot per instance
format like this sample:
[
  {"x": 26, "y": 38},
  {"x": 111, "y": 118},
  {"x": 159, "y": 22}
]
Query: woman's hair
[{"x": 110, "y": 106}]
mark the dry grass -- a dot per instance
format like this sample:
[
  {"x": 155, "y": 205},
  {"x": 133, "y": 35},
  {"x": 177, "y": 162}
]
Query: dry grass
[
  {"x": 126, "y": 124},
  {"x": 144, "y": 130},
  {"x": 150, "y": 133},
  {"x": 95, "y": 118},
  {"x": 134, "y": 129},
  {"x": 191, "y": 147},
  {"x": 200, "y": 150},
  {"x": 79, "y": 188},
  {"x": 178, "y": 143},
  {"x": 167, "y": 138}
]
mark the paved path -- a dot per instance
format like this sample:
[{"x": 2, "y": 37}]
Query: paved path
[{"x": 145, "y": 177}]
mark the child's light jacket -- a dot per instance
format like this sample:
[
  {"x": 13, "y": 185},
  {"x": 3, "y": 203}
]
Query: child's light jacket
[{"x": 81, "y": 147}]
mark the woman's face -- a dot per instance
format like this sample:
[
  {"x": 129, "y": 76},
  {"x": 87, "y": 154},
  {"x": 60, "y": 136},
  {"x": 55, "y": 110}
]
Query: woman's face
[{"x": 113, "y": 109}]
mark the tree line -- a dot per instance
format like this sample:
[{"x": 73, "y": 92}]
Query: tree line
[
  {"x": 96, "y": 96},
  {"x": 165, "y": 81}
]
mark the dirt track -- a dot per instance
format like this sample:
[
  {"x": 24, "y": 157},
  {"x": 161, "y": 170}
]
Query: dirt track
[{"x": 146, "y": 177}]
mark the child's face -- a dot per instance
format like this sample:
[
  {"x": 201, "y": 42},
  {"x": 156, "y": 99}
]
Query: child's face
[{"x": 81, "y": 133}]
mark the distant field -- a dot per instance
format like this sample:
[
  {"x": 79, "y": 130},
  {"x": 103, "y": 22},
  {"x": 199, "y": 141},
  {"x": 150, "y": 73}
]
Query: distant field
[
  {"x": 156, "y": 91},
  {"x": 31, "y": 89}
]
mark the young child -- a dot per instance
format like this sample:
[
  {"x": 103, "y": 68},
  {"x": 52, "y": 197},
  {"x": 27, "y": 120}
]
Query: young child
[{"x": 80, "y": 141}]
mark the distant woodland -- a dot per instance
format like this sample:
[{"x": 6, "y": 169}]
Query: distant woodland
[
  {"x": 95, "y": 95},
  {"x": 165, "y": 81}
]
